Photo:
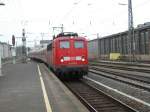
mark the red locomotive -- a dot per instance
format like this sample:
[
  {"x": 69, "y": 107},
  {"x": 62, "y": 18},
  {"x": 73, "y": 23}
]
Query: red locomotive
[{"x": 66, "y": 55}]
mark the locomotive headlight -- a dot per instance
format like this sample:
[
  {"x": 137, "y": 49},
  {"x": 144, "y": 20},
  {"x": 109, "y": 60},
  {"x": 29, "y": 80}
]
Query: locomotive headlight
[
  {"x": 62, "y": 60},
  {"x": 83, "y": 58}
]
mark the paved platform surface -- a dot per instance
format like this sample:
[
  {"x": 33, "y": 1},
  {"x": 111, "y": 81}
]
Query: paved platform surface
[{"x": 21, "y": 90}]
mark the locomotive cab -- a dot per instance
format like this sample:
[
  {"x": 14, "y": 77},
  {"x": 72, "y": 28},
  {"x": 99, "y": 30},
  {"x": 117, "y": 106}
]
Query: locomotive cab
[{"x": 71, "y": 54}]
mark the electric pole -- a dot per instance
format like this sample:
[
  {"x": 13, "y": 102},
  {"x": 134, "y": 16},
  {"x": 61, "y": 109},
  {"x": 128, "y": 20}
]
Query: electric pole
[
  {"x": 62, "y": 28},
  {"x": 24, "y": 45},
  {"x": 42, "y": 35},
  {"x": 131, "y": 38}
]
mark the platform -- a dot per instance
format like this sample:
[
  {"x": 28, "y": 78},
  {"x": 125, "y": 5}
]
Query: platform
[{"x": 31, "y": 87}]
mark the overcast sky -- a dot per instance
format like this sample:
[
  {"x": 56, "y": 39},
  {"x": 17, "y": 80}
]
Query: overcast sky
[{"x": 83, "y": 16}]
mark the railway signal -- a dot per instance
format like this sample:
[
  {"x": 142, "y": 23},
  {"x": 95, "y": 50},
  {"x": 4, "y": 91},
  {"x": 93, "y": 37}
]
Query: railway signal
[
  {"x": 13, "y": 49},
  {"x": 13, "y": 40},
  {"x": 2, "y": 3}
]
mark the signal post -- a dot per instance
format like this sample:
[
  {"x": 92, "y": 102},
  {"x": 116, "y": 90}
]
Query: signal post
[
  {"x": 24, "y": 46},
  {"x": 13, "y": 50}
]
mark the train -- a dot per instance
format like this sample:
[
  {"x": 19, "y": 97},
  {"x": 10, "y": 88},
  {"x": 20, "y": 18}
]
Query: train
[
  {"x": 102, "y": 47},
  {"x": 66, "y": 55}
]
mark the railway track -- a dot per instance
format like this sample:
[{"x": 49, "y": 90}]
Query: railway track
[
  {"x": 133, "y": 81},
  {"x": 138, "y": 77},
  {"x": 137, "y": 64},
  {"x": 128, "y": 67},
  {"x": 94, "y": 99},
  {"x": 121, "y": 73}
]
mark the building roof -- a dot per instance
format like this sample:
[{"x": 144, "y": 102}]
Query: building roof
[{"x": 45, "y": 41}]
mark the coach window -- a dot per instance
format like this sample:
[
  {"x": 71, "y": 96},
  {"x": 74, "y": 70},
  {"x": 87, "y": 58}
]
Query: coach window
[
  {"x": 64, "y": 44},
  {"x": 49, "y": 47},
  {"x": 79, "y": 44}
]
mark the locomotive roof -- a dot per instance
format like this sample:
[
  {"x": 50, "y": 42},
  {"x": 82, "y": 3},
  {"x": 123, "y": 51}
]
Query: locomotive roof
[{"x": 66, "y": 34}]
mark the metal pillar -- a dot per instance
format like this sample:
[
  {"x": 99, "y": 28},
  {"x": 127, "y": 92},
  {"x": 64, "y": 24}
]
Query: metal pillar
[
  {"x": 99, "y": 54},
  {"x": 131, "y": 38},
  {"x": 62, "y": 28},
  {"x": 42, "y": 35},
  {"x": 130, "y": 15},
  {"x": 24, "y": 45}
]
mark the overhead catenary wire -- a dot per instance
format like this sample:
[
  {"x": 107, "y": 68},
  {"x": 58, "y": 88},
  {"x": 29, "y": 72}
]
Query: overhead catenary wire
[
  {"x": 105, "y": 20},
  {"x": 71, "y": 10}
]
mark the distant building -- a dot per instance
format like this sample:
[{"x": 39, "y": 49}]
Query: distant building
[
  {"x": 146, "y": 24},
  {"x": 5, "y": 50},
  {"x": 43, "y": 45},
  {"x": 19, "y": 51}
]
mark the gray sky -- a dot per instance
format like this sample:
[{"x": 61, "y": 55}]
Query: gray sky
[{"x": 83, "y": 16}]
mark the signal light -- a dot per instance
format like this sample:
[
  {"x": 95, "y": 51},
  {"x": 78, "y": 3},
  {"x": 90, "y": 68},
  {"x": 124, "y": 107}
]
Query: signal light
[{"x": 13, "y": 40}]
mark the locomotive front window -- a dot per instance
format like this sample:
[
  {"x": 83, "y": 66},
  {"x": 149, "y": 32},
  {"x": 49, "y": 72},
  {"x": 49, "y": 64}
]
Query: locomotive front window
[
  {"x": 64, "y": 44},
  {"x": 78, "y": 44}
]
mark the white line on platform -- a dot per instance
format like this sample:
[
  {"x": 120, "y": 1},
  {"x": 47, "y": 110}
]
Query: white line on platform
[
  {"x": 124, "y": 94},
  {"x": 48, "y": 107}
]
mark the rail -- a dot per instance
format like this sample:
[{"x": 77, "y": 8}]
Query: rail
[{"x": 94, "y": 99}]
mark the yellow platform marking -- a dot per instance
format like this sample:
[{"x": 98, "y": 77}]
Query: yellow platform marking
[{"x": 48, "y": 107}]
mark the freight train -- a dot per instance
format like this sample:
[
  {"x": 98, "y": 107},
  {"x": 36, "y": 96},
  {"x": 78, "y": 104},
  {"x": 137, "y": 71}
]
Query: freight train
[
  {"x": 102, "y": 48},
  {"x": 66, "y": 55}
]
